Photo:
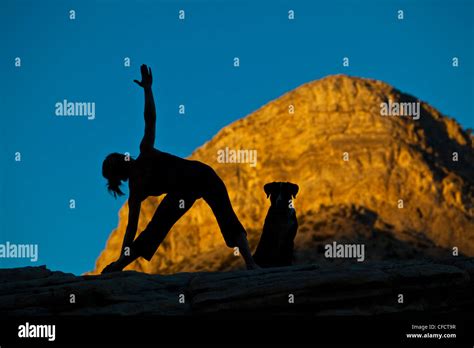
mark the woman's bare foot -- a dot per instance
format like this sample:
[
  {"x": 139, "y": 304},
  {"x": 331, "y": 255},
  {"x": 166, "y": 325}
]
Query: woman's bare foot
[{"x": 253, "y": 266}]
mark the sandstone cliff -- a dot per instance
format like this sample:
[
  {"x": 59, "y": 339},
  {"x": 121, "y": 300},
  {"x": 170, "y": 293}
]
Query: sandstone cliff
[{"x": 390, "y": 159}]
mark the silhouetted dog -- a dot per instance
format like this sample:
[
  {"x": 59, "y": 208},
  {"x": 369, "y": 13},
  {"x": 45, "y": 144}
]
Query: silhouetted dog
[{"x": 276, "y": 243}]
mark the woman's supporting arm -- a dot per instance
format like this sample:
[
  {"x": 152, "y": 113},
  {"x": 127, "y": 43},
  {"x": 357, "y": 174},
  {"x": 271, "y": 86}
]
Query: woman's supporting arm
[{"x": 132, "y": 225}]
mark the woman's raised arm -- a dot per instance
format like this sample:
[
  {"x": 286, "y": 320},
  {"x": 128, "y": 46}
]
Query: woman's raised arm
[{"x": 148, "y": 140}]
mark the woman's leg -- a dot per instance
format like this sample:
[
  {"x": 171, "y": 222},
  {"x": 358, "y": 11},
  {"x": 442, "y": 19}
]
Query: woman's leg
[
  {"x": 170, "y": 210},
  {"x": 232, "y": 230}
]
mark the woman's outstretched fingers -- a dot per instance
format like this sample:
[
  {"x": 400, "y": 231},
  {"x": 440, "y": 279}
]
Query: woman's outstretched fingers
[
  {"x": 144, "y": 70},
  {"x": 147, "y": 79}
]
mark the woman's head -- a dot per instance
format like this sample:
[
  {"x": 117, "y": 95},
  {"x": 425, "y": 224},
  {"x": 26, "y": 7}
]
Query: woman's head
[{"x": 116, "y": 168}]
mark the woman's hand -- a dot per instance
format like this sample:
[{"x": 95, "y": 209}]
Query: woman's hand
[
  {"x": 112, "y": 267},
  {"x": 147, "y": 77}
]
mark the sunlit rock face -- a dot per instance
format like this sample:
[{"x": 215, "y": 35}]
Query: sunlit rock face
[{"x": 402, "y": 185}]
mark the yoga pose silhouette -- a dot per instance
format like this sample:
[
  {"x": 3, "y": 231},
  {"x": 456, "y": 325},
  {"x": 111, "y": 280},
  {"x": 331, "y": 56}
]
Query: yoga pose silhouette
[{"x": 154, "y": 173}]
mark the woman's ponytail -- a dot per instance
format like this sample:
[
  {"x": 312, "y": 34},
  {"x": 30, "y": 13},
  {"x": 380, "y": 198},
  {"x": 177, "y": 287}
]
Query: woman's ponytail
[{"x": 113, "y": 186}]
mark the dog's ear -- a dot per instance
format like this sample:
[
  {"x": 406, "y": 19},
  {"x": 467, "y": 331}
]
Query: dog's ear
[
  {"x": 269, "y": 188},
  {"x": 293, "y": 188}
]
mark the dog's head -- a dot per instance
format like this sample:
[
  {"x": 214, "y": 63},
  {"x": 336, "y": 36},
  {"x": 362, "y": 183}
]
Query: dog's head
[{"x": 281, "y": 193}]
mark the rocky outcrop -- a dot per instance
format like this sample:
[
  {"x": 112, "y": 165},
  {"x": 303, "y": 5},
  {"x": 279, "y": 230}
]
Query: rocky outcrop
[
  {"x": 310, "y": 290},
  {"x": 399, "y": 191}
]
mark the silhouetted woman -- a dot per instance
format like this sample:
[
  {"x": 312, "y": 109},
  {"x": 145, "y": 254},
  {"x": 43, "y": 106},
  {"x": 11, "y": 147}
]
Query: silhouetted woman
[{"x": 154, "y": 173}]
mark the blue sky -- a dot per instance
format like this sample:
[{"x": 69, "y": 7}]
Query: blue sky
[{"x": 192, "y": 62}]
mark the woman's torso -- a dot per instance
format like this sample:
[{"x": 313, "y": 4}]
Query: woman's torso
[{"x": 155, "y": 172}]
